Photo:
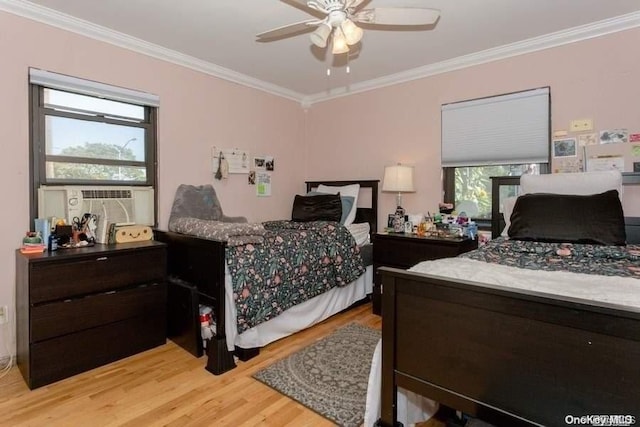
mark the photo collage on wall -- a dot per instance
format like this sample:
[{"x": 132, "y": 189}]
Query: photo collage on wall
[
  {"x": 258, "y": 169},
  {"x": 592, "y": 150}
]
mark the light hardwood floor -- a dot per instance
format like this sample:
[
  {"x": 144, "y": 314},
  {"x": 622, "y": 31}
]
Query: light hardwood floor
[{"x": 167, "y": 386}]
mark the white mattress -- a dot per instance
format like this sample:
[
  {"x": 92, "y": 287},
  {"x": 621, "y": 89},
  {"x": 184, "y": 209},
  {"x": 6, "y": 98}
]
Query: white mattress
[
  {"x": 296, "y": 318},
  {"x": 623, "y": 292}
]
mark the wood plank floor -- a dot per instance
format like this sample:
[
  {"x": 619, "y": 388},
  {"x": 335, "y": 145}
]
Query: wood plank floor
[{"x": 167, "y": 386}]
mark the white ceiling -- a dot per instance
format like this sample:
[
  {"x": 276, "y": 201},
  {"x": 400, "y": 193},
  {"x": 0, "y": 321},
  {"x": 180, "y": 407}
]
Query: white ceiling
[{"x": 218, "y": 36}]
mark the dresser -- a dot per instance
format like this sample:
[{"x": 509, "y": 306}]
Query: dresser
[
  {"x": 400, "y": 250},
  {"x": 77, "y": 309}
]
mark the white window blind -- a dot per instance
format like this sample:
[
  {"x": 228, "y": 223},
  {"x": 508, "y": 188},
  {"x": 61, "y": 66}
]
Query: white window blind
[
  {"x": 505, "y": 129},
  {"x": 89, "y": 87}
]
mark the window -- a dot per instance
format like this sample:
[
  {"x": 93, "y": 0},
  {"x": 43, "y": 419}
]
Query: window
[
  {"x": 472, "y": 186},
  {"x": 90, "y": 133},
  {"x": 82, "y": 139},
  {"x": 505, "y": 135}
]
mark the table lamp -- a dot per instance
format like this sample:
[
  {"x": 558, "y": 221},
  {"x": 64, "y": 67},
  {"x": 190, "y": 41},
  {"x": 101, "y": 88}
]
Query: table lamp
[{"x": 398, "y": 179}]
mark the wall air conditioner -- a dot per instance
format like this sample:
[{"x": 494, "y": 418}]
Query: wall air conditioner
[{"x": 120, "y": 205}]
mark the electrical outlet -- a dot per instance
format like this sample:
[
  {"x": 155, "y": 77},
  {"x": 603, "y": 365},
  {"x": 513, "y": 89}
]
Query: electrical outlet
[{"x": 4, "y": 314}]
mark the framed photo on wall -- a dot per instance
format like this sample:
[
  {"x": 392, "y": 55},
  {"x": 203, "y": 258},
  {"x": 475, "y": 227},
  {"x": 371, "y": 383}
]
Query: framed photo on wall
[{"x": 565, "y": 147}]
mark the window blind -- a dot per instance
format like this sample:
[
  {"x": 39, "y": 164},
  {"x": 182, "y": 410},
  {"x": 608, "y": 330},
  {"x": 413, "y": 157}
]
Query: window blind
[
  {"x": 504, "y": 129},
  {"x": 89, "y": 87}
]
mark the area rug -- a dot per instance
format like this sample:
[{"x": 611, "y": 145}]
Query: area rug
[{"x": 329, "y": 376}]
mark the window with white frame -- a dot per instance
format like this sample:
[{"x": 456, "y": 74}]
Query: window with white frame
[{"x": 495, "y": 136}]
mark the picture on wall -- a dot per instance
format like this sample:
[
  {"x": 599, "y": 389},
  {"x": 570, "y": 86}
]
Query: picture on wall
[
  {"x": 269, "y": 163},
  {"x": 259, "y": 163},
  {"x": 263, "y": 184},
  {"x": 614, "y": 136},
  {"x": 605, "y": 163},
  {"x": 587, "y": 139},
  {"x": 565, "y": 147},
  {"x": 262, "y": 163}
]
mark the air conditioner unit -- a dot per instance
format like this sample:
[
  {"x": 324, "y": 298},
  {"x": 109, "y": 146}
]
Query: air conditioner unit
[{"x": 120, "y": 205}]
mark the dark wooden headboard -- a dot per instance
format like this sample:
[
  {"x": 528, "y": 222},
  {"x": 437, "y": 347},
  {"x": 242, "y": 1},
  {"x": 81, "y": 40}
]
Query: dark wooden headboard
[
  {"x": 632, "y": 224},
  {"x": 363, "y": 214}
]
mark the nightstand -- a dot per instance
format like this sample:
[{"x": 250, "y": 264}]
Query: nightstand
[{"x": 401, "y": 250}]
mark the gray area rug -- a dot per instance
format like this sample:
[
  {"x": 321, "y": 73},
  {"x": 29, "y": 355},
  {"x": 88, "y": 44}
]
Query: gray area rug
[{"x": 329, "y": 376}]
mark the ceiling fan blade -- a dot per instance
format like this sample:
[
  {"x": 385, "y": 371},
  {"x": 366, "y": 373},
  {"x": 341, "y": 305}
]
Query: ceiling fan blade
[
  {"x": 289, "y": 30},
  {"x": 353, "y": 4},
  {"x": 397, "y": 16},
  {"x": 309, "y": 6}
]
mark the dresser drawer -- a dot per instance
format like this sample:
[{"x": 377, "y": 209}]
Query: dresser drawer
[
  {"x": 81, "y": 276},
  {"x": 68, "y": 355},
  {"x": 73, "y": 315},
  {"x": 406, "y": 253}
]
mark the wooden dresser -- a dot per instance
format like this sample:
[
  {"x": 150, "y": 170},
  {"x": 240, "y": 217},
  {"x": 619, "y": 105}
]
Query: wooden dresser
[{"x": 77, "y": 309}]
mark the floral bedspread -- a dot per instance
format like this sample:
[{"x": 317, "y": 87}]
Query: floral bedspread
[
  {"x": 623, "y": 261},
  {"x": 297, "y": 261}
]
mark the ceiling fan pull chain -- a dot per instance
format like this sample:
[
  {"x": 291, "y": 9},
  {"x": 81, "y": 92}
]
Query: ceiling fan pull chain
[{"x": 348, "y": 69}]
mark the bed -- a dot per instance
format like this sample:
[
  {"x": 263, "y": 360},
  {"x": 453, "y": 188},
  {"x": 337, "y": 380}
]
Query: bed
[
  {"x": 488, "y": 343},
  {"x": 201, "y": 263}
]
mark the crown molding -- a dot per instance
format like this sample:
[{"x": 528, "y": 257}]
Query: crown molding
[
  {"x": 548, "y": 41},
  {"x": 66, "y": 22}
]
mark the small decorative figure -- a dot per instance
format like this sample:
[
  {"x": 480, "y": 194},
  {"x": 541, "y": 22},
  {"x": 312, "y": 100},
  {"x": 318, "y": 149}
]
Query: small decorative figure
[{"x": 398, "y": 223}]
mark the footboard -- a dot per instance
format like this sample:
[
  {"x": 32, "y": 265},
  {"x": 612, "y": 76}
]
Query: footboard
[
  {"x": 507, "y": 357},
  {"x": 201, "y": 262}
]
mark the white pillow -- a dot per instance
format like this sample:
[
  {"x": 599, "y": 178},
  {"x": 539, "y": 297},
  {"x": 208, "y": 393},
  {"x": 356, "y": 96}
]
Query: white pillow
[
  {"x": 507, "y": 208},
  {"x": 346, "y": 190},
  {"x": 581, "y": 183}
]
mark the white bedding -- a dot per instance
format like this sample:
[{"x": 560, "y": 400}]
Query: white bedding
[
  {"x": 411, "y": 407},
  {"x": 360, "y": 232},
  {"x": 295, "y": 318},
  {"x": 586, "y": 288}
]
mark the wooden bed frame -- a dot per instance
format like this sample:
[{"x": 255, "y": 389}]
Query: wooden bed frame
[
  {"x": 201, "y": 263},
  {"x": 509, "y": 357}
]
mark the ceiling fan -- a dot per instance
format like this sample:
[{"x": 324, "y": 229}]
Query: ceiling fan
[{"x": 340, "y": 19}]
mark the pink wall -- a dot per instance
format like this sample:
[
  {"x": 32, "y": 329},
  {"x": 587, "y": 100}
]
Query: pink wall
[
  {"x": 197, "y": 112},
  {"x": 350, "y": 137},
  {"x": 360, "y": 134}
]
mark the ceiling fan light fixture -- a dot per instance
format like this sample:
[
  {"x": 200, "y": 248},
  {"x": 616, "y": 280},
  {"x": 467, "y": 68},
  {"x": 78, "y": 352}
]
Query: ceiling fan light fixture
[
  {"x": 320, "y": 36},
  {"x": 352, "y": 33},
  {"x": 339, "y": 42}
]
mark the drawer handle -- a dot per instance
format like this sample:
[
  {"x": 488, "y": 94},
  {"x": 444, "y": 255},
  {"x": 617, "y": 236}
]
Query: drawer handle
[{"x": 102, "y": 258}]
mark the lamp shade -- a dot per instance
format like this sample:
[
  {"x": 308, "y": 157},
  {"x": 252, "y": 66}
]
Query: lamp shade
[
  {"x": 339, "y": 42},
  {"x": 352, "y": 33},
  {"x": 320, "y": 35},
  {"x": 398, "y": 178}
]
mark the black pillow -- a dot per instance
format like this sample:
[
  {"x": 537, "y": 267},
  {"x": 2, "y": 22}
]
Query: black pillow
[
  {"x": 325, "y": 207},
  {"x": 596, "y": 218}
]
